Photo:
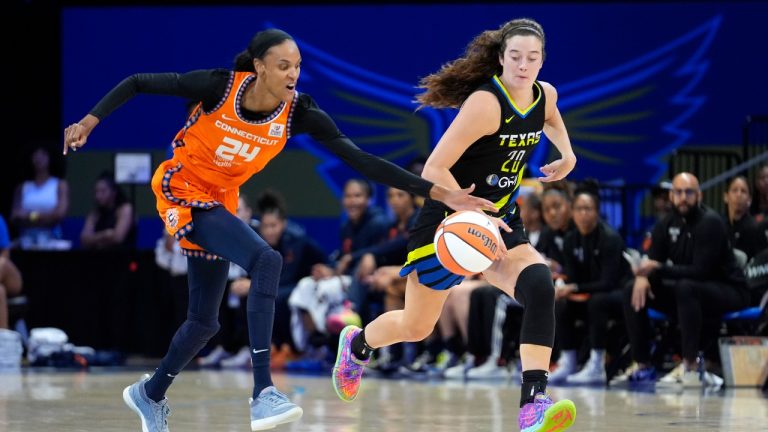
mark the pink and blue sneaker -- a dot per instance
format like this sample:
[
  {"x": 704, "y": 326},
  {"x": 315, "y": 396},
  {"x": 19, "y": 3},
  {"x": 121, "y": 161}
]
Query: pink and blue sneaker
[
  {"x": 544, "y": 415},
  {"x": 348, "y": 370}
]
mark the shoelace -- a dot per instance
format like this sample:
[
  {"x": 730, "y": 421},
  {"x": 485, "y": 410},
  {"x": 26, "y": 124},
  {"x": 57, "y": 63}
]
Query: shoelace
[
  {"x": 541, "y": 405},
  {"x": 162, "y": 412},
  {"x": 275, "y": 398}
]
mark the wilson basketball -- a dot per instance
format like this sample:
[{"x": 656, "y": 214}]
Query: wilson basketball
[{"x": 467, "y": 242}]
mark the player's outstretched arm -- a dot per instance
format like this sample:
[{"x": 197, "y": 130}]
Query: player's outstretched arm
[
  {"x": 322, "y": 128},
  {"x": 197, "y": 85}
]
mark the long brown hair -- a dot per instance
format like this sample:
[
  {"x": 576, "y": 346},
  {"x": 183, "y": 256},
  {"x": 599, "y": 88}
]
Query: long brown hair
[{"x": 455, "y": 81}]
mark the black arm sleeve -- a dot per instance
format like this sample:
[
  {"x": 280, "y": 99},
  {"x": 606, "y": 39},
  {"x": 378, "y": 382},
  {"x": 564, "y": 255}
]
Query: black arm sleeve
[
  {"x": 710, "y": 235},
  {"x": 611, "y": 267},
  {"x": 309, "y": 118},
  {"x": 207, "y": 86}
]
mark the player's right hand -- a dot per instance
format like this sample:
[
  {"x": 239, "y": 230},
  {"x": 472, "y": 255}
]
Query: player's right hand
[
  {"x": 461, "y": 199},
  {"x": 76, "y": 134},
  {"x": 74, "y": 137}
]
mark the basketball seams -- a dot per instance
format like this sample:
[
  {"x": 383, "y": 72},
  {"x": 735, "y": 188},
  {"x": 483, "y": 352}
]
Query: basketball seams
[{"x": 443, "y": 253}]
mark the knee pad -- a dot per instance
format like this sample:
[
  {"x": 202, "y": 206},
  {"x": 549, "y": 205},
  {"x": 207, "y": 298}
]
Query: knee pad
[
  {"x": 536, "y": 292},
  {"x": 533, "y": 283},
  {"x": 265, "y": 272}
]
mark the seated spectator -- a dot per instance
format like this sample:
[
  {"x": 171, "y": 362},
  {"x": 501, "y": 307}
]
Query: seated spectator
[
  {"x": 111, "y": 224},
  {"x": 556, "y": 210},
  {"x": 40, "y": 204},
  {"x": 324, "y": 293},
  {"x": 531, "y": 214},
  {"x": 10, "y": 278},
  {"x": 371, "y": 296},
  {"x": 691, "y": 275},
  {"x": 595, "y": 271},
  {"x": 365, "y": 225},
  {"x": 392, "y": 252},
  {"x": 743, "y": 229}
]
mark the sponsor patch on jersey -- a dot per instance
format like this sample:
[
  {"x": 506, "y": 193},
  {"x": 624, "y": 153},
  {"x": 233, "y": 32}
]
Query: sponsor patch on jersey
[
  {"x": 172, "y": 217},
  {"x": 276, "y": 130}
]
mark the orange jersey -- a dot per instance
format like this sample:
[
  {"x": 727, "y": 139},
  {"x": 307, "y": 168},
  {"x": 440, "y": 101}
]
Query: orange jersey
[
  {"x": 213, "y": 155},
  {"x": 222, "y": 148}
]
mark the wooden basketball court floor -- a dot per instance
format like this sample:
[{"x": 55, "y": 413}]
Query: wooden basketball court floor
[{"x": 35, "y": 401}]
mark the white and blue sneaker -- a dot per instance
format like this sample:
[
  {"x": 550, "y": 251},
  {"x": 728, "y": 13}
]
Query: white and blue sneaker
[
  {"x": 592, "y": 373},
  {"x": 153, "y": 415},
  {"x": 272, "y": 408}
]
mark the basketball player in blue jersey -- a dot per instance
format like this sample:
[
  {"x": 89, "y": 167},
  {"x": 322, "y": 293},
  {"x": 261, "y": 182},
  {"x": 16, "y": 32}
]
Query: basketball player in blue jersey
[{"x": 503, "y": 112}]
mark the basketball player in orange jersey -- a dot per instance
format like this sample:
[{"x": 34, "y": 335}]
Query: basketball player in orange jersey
[
  {"x": 503, "y": 112},
  {"x": 243, "y": 120}
]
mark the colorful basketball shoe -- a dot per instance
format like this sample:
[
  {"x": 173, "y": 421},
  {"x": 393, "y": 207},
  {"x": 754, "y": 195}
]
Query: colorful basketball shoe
[
  {"x": 348, "y": 370},
  {"x": 544, "y": 415}
]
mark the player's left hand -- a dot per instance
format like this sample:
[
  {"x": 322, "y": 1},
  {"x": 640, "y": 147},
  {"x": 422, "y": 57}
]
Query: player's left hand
[
  {"x": 557, "y": 170},
  {"x": 461, "y": 199}
]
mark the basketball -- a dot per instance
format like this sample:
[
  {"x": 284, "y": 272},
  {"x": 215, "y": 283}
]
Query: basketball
[{"x": 467, "y": 242}]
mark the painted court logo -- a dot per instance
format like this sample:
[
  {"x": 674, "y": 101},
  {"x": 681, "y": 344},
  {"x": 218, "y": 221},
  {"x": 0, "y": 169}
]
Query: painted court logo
[{"x": 172, "y": 218}]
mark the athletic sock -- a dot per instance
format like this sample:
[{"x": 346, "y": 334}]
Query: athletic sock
[
  {"x": 360, "y": 347},
  {"x": 534, "y": 382}
]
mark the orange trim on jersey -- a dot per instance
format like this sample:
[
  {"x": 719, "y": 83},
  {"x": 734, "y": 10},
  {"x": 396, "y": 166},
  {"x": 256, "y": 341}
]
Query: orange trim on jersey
[{"x": 177, "y": 193}]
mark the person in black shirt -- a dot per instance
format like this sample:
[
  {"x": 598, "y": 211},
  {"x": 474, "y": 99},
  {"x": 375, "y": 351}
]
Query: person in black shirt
[
  {"x": 487, "y": 144},
  {"x": 556, "y": 210},
  {"x": 595, "y": 271},
  {"x": 110, "y": 225},
  {"x": 744, "y": 231},
  {"x": 692, "y": 276},
  {"x": 243, "y": 120}
]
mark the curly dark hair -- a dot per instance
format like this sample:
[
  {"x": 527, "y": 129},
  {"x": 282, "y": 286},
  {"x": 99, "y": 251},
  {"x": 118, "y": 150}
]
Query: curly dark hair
[{"x": 455, "y": 81}]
